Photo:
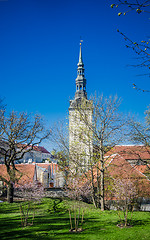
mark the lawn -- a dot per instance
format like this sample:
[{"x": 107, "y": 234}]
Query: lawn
[{"x": 55, "y": 225}]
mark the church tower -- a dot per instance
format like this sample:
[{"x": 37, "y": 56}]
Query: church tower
[{"x": 80, "y": 122}]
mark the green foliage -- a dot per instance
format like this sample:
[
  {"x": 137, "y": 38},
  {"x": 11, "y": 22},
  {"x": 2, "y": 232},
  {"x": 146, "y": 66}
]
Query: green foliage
[{"x": 56, "y": 205}]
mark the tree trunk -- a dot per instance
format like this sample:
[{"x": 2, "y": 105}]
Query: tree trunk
[
  {"x": 94, "y": 198},
  {"x": 102, "y": 176},
  {"x": 10, "y": 193},
  {"x": 98, "y": 188},
  {"x": 93, "y": 190},
  {"x": 102, "y": 189}
]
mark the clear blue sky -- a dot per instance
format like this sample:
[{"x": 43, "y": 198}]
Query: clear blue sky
[{"x": 39, "y": 47}]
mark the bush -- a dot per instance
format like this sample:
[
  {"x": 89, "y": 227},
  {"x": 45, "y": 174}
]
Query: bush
[{"x": 56, "y": 205}]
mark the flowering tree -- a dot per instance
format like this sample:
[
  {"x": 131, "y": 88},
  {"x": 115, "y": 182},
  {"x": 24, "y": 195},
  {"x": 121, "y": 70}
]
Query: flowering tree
[
  {"x": 31, "y": 193},
  {"x": 76, "y": 188},
  {"x": 125, "y": 194},
  {"x": 79, "y": 192}
]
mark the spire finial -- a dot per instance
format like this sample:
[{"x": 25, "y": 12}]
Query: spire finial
[
  {"x": 81, "y": 42},
  {"x": 80, "y": 54}
]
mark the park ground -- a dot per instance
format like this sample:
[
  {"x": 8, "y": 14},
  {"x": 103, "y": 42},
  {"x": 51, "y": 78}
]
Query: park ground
[{"x": 52, "y": 222}]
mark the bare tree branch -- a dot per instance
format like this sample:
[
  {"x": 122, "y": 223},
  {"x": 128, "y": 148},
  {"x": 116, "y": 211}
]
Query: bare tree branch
[
  {"x": 19, "y": 133},
  {"x": 142, "y": 49}
]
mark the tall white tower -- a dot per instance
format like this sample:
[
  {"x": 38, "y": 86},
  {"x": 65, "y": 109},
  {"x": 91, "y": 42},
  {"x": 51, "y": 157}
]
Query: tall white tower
[{"x": 80, "y": 122}]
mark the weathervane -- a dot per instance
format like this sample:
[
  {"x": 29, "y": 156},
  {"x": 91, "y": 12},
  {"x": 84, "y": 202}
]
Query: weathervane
[{"x": 81, "y": 41}]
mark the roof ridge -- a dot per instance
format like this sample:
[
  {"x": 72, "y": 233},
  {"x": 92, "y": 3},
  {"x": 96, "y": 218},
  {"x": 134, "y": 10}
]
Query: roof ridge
[{"x": 141, "y": 173}]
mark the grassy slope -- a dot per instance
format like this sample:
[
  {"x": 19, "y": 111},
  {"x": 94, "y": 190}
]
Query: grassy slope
[{"x": 97, "y": 225}]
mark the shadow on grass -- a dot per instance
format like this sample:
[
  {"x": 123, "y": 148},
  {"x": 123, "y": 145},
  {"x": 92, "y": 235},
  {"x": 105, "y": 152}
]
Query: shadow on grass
[
  {"x": 6, "y": 209},
  {"x": 45, "y": 227},
  {"x": 140, "y": 222},
  {"x": 11, "y": 228},
  {"x": 56, "y": 226}
]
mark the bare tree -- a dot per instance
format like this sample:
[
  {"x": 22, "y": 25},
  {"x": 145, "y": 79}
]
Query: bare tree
[
  {"x": 92, "y": 139},
  {"x": 139, "y": 6},
  {"x": 19, "y": 133},
  {"x": 2, "y": 110},
  {"x": 104, "y": 132},
  {"x": 140, "y": 134},
  {"x": 142, "y": 48},
  {"x": 60, "y": 137},
  {"x": 140, "y": 131},
  {"x": 2, "y": 105}
]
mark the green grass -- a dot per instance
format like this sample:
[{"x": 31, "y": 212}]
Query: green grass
[{"x": 51, "y": 225}]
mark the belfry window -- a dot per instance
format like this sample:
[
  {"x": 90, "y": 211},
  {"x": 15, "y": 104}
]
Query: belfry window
[{"x": 80, "y": 87}]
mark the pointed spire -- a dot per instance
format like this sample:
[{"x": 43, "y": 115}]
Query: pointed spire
[
  {"x": 80, "y": 55},
  {"x": 80, "y": 80}
]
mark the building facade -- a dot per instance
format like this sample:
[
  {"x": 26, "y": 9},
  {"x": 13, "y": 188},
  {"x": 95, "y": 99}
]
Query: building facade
[{"x": 38, "y": 155}]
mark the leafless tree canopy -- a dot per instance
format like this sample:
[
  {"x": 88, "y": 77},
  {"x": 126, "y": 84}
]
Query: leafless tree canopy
[
  {"x": 60, "y": 137},
  {"x": 140, "y": 131},
  {"x": 19, "y": 133},
  {"x": 103, "y": 132}
]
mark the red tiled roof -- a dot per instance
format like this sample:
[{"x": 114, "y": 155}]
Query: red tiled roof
[
  {"x": 46, "y": 165},
  {"x": 43, "y": 165},
  {"x": 120, "y": 168},
  {"x": 117, "y": 166},
  {"x": 40, "y": 149},
  {"x": 131, "y": 152},
  {"x": 143, "y": 168},
  {"x": 26, "y": 169},
  {"x": 35, "y": 148}
]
